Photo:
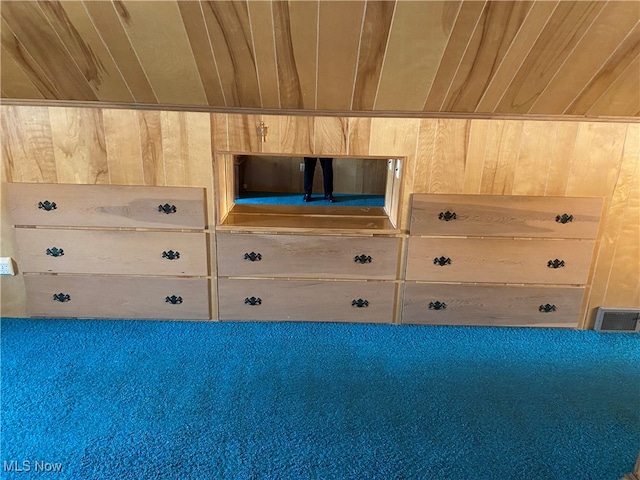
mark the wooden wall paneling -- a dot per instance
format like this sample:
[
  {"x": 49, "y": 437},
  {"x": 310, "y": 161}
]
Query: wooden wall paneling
[
  {"x": 272, "y": 138},
  {"x": 534, "y": 156},
  {"x": 303, "y": 25},
  {"x": 623, "y": 96},
  {"x": 623, "y": 285},
  {"x": 501, "y": 152},
  {"x": 416, "y": 44},
  {"x": 267, "y": 64},
  {"x": 340, "y": 27},
  {"x": 31, "y": 27},
  {"x": 167, "y": 59},
  {"x": 224, "y": 176},
  {"x": 115, "y": 37},
  {"x": 567, "y": 25},
  {"x": 153, "y": 166},
  {"x": 79, "y": 145},
  {"x": 474, "y": 161},
  {"x": 450, "y": 152},
  {"x": 608, "y": 30},
  {"x": 330, "y": 136},
  {"x": 490, "y": 42},
  {"x": 296, "y": 134},
  {"x": 465, "y": 24},
  {"x": 373, "y": 44},
  {"x": 230, "y": 34},
  {"x": 193, "y": 20},
  {"x": 14, "y": 81},
  {"x": 242, "y": 135},
  {"x": 615, "y": 66},
  {"x": 124, "y": 151},
  {"x": 519, "y": 49},
  {"x": 219, "y": 131},
  {"x": 359, "y": 136},
  {"x": 425, "y": 153},
  {"x": 27, "y": 146},
  {"x": 73, "y": 25},
  {"x": 561, "y": 158}
]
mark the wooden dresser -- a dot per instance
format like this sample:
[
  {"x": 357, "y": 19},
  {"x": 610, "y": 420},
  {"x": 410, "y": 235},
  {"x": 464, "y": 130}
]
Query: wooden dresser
[
  {"x": 307, "y": 267},
  {"x": 499, "y": 260},
  {"x": 112, "y": 251}
]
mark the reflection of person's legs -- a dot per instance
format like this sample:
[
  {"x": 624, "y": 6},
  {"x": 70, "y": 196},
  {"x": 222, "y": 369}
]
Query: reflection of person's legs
[
  {"x": 309, "y": 169},
  {"x": 327, "y": 177}
]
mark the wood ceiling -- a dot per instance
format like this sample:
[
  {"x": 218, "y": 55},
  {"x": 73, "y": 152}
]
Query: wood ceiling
[{"x": 415, "y": 57}]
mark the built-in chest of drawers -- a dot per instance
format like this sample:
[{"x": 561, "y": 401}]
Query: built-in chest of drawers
[
  {"x": 287, "y": 271},
  {"x": 112, "y": 251},
  {"x": 498, "y": 260}
]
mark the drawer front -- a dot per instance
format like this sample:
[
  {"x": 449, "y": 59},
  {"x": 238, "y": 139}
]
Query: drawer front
[
  {"x": 505, "y": 216},
  {"x": 491, "y": 305},
  {"x": 493, "y": 260},
  {"x": 112, "y": 252},
  {"x": 117, "y": 297},
  {"x": 282, "y": 300},
  {"x": 307, "y": 256},
  {"x": 106, "y": 206}
]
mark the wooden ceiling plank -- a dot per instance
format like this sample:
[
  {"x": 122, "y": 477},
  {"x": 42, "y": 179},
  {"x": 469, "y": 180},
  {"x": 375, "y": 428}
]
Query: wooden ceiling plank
[
  {"x": 611, "y": 27},
  {"x": 615, "y": 66},
  {"x": 166, "y": 58},
  {"x": 416, "y": 43},
  {"x": 623, "y": 96},
  {"x": 193, "y": 20},
  {"x": 498, "y": 26},
  {"x": 264, "y": 45},
  {"x": 562, "y": 32},
  {"x": 27, "y": 64},
  {"x": 518, "y": 51},
  {"x": 75, "y": 29},
  {"x": 107, "y": 23},
  {"x": 466, "y": 21},
  {"x": 340, "y": 25},
  {"x": 230, "y": 34},
  {"x": 304, "y": 42},
  {"x": 287, "y": 80},
  {"x": 31, "y": 27},
  {"x": 373, "y": 45},
  {"x": 15, "y": 82}
]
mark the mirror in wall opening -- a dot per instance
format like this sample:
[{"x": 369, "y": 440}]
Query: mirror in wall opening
[{"x": 280, "y": 180}]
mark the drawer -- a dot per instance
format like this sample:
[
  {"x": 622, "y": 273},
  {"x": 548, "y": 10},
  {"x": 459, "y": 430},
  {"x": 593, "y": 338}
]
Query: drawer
[
  {"x": 505, "y": 216},
  {"x": 112, "y": 252},
  {"x": 307, "y": 256},
  {"x": 498, "y": 260},
  {"x": 491, "y": 305},
  {"x": 106, "y": 206},
  {"x": 280, "y": 300},
  {"x": 117, "y": 297}
]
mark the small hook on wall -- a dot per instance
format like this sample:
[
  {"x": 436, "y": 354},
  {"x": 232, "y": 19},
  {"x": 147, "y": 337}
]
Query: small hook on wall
[{"x": 262, "y": 131}]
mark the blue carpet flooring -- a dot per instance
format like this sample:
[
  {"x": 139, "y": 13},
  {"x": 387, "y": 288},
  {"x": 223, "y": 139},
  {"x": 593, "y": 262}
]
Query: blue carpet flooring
[
  {"x": 194, "y": 400},
  {"x": 341, "y": 200}
]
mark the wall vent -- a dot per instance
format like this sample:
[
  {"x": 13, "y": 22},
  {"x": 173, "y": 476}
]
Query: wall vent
[{"x": 617, "y": 320}]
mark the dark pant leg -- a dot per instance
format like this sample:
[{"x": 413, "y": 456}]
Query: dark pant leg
[
  {"x": 309, "y": 169},
  {"x": 327, "y": 175}
]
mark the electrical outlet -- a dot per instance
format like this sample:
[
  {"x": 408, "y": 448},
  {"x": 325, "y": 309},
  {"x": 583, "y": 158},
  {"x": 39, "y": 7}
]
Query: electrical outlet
[
  {"x": 6, "y": 266},
  {"x": 302, "y": 167}
]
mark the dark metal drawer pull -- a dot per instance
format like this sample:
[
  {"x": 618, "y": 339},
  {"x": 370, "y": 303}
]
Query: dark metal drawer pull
[
  {"x": 555, "y": 263},
  {"x": 55, "y": 252},
  {"x": 442, "y": 261},
  {"x": 547, "y": 308},
  {"x": 564, "y": 218},
  {"x": 173, "y": 300},
  {"x": 166, "y": 208},
  {"x": 446, "y": 216},
  {"x": 253, "y": 257},
  {"x": 61, "y": 297},
  {"x": 437, "y": 306},
  {"x": 171, "y": 255},
  {"x": 47, "y": 205},
  {"x": 360, "y": 303},
  {"x": 253, "y": 301},
  {"x": 362, "y": 258}
]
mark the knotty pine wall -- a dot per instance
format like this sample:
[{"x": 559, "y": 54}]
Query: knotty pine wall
[{"x": 489, "y": 156}]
